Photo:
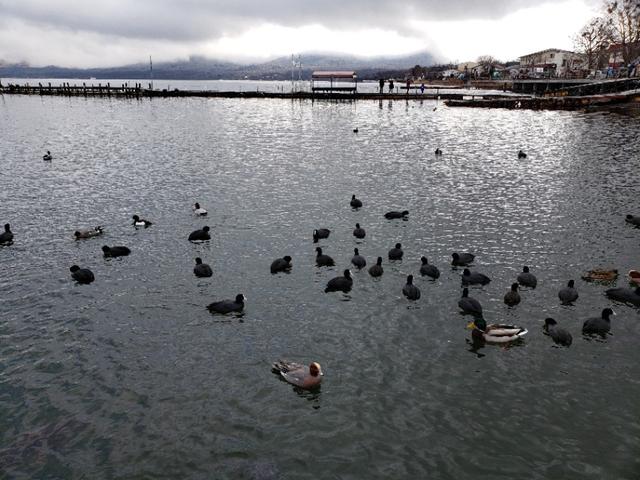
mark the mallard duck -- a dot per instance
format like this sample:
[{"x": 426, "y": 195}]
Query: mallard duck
[
  {"x": 358, "y": 260},
  {"x": 117, "y": 251},
  {"x": 202, "y": 269},
  {"x": 198, "y": 210},
  {"x": 301, "y": 376},
  {"x": 228, "y": 306},
  {"x": 340, "y": 284},
  {"x": 320, "y": 233},
  {"x": 359, "y": 232},
  {"x": 427, "y": 269},
  {"x": 88, "y": 232},
  {"x": 281, "y": 264},
  {"x": 396, "y": 252},
  {"x": 395, "y": 214},
  {"x": 600, "y": 275},
  {"x": 558, "y": 334},
  {"x": 81, "y": 275},
  {"x": 462, "y": 259},
  {"x": 527, "y": 279},
  {"x": 568, "y": 294},
  {"x": 355, "y": 203},
  {"x": 495, "y": 333},
  {"x": 521, "y": 154},
  {"x": 47, "y": 156},
  {"x": 438, "y": 151},
  {"x": 323, "y": 260},
  {"x": 627, "y": 295},
  {"x": 140, "y": 222},
  {"x": 6, "y": 237},
  {"x": 202, "y": 234},
  {"x": 598, "y": 325},
  {"x": 377, "y": 270}
]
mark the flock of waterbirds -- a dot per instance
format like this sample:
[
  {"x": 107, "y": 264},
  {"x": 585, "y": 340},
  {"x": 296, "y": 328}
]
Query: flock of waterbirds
[{"x": 309, "y": 376}]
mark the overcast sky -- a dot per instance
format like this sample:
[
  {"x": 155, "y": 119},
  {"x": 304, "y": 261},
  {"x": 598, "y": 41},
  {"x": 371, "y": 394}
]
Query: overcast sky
[{"x": 87, "y": 33}]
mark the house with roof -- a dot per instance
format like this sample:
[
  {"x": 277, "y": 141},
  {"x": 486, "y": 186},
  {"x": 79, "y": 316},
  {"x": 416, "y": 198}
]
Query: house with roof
[{"x": 549, "y": 63}]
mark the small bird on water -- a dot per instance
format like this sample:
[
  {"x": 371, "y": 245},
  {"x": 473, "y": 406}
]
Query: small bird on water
[
  {"x": 299, "y": 375},
  {"x": 6, "y": 237},
  {"x": 81, "y": 275}
]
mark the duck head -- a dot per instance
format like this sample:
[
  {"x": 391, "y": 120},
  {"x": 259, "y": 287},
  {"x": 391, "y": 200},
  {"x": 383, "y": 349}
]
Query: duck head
[
  {"x": 205, "y": 229},
  {"x": 465, "y": 292},
  {"x": 105, "y": 249},
  {"x": 196, "y": 205},
  {"x": 240, "y": 298},
  {"x": 514, "y": 287},
  {"x": 357, "y": 225},
  {"x": 410, "y": 280},
  {"x": 74, "y": 268},
  {"x": 379, "y": 261},
  {"x": 136, "y": 218},
  {"x": 606, "y": 313},
  {"x": 315, "y": 370},
  {"x": 466, "y": 272},
  {"x": 318, "y": 251},
  {"x": 7, "y": 227},
  {"x": 570, "y": 284},
  {"x": 398, "y": 246},
  {"x": 525, "y": 269},
  {"x": 549, "y": 322},
  {"x": 355, "y": 251},
  {"x": 347, "y": 273},
  {"x": 478, "y": 324},
  {"x": 287, "y": 258},
  {"x": 424, "y": 260},
  {"x": 198, "y": 261}
]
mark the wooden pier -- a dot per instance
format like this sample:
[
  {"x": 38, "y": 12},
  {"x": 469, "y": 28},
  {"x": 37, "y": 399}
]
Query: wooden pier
[
  {"x": 137, "y": 90},
  {"x": 631, "y": 98}
]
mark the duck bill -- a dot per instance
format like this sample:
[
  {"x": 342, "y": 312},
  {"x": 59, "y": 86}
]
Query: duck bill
[{"x": 471, "y": 325}]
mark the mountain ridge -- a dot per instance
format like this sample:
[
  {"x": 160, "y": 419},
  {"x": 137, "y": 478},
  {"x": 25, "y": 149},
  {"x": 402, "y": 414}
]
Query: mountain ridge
[{"x": 201, "y": 68}]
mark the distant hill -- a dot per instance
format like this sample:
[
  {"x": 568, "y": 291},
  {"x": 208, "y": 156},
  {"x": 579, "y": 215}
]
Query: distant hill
[{"x": 199, "y": 68}]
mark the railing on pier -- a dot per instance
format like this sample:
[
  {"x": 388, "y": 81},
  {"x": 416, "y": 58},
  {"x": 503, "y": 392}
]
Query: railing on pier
[{"x": 66, "y": 89}]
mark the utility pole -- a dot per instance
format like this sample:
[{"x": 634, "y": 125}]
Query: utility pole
[{"x": 151, "y": 72}]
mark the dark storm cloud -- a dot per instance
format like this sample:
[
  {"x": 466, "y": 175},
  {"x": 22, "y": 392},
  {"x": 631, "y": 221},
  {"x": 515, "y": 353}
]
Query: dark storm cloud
[{"x": 188, "y": 20}]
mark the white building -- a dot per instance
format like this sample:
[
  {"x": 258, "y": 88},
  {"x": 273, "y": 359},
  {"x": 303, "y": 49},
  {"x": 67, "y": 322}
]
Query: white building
[{"x": 552, "y": 62}]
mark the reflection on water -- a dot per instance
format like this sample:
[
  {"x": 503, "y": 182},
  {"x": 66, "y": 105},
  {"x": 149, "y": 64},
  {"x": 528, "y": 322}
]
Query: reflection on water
[{"x": 132, "y": 377}]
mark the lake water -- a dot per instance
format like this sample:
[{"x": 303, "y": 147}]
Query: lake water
[{"x": 131, "y": 377}]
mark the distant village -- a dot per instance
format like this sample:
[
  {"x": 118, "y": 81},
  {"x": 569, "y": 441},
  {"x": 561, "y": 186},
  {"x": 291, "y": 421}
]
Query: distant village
[
  {"x": 608, "y": 46},
  {"x": 545, "y": 64}
]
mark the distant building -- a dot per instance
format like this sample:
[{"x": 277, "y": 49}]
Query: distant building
[
  {"x": 552, "y": 62},
  {"x": 616, "y": 54},
  {"x": 466, "y": 66}
]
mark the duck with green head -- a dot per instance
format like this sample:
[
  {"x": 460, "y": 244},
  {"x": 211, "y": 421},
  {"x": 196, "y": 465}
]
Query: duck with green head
[{"x": 495, "y": 333}]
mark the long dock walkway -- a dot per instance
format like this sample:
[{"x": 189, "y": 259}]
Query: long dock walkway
[{"x": 137, "y": 91}]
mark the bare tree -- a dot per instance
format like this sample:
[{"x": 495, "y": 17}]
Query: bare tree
[
  {"x": 592, "y": 42},
  {"x": 623, "y": 18}
]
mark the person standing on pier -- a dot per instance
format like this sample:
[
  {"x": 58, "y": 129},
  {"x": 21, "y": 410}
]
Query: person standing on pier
[
  {"x": 381, "y": 83},
  {"x": 408, "y": 85},
  {"x": 390, "y": 86},
  {"x": 422, "y": 88}
]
